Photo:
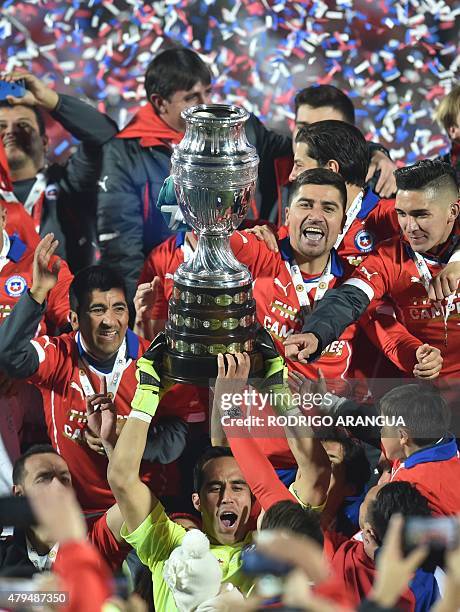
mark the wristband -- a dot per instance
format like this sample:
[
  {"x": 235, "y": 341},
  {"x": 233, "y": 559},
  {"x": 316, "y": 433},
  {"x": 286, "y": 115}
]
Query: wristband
[
  {"x": 141, "y": 416},
  {"x": 146, "y": 400}
]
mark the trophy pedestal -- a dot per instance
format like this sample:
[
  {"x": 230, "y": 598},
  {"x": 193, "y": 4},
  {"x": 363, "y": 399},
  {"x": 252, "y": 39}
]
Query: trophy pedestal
[{"x": 203, "y": 322}]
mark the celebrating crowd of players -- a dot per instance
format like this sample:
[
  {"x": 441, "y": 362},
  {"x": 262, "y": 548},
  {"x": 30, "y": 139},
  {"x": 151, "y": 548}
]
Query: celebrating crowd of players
[{"x": 355, "y": 266}]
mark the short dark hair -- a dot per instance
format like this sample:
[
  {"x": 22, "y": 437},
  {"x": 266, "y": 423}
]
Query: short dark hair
[
  {"x": 290, "y": 515},
  {"x": 341, "y": 141},
  {"x": 427, "y": 174},
  {"x": 425, "y": 413},
  {"x": 318, "y": 96},
  {"x": 214, "y": 452},
  {"x": 37, "y": 112},
  {"x": 87, "y": 280},
  {"x": 320, "y": 176},
  {"x": 173, "y": 70},
  {"x": 395, "y": 497},
  {"x": 19, "y": 464}
]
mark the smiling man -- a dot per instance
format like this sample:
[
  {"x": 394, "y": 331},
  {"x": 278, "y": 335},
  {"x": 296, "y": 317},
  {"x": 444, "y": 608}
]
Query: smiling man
[
  {"x": 99, "y": 353},
  {"x": 59, "y": 198},
  {"x": 427, "y": 204}
]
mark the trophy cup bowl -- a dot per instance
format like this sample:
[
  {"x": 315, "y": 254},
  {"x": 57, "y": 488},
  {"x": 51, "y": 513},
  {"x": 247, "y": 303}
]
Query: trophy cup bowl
[{"x": 212, "y": 309}]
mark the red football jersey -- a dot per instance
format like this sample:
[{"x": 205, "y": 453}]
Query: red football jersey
[
  {"x": 392, "y": 271},
  {"x": 435, "y": 471},
  {"x": 59, "y": 379},
  {"x": 163, "y": 261},
  {"x": 16, "y": 278},
  {"x": 19, "y": 222}
]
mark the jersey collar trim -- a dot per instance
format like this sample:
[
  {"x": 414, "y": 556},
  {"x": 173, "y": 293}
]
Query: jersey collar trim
[
  {"x": 17, "y": 248},
  {"x": 180, "y": 240},
  {"x": 132, "y": 345},
  {"x": 442, "y": 451},
  {"x": 451, "y": 245},
  {"x": 336, "y": 263},
  {"x": 370, "y": 201}
]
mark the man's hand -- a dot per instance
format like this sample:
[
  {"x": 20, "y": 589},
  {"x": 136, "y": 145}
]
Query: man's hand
[
  {"x": 394, "y": 570},
  {"x": 58, "y": 512},
  {"x": 386, "y": 185},
  {"x": 429, "y": 362},
  {"x": 101, "y": 414},
  {"x": 232, "y": 377},
  {"x": 301, "y": 385},
  {"x": 44, "y": 277},
  {"x": 299, "y": 347},
  {"x": 37, "y": 94},
  {"x": 144, "y": 300},
  {"x": 93, "y": 441},
  {"x": 264, "y": 234},
  {"x": 445, "y": 283}
]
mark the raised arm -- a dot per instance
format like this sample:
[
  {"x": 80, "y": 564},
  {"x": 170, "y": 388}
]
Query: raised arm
[
  {"x": 257, "y": 469},
  {"x": 135, "y": 499},
  {"x": 314, "y": 467},
  {"x": 18, "y": 357}
]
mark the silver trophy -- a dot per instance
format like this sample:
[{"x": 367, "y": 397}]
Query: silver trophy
[{"x": 212, "y": 309}]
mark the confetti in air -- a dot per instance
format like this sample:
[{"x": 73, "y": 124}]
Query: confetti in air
[{"x": 396, "y": 59}]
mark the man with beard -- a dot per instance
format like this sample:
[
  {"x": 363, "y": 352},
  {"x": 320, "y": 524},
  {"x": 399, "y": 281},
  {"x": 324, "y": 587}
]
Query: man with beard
[{"x": 59, "y": 198}]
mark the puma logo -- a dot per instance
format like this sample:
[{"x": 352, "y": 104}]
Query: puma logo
[
  {"x": 368, "y": 274},
  {"x": 102, "y": 184},
  {"x": 48, "y": 342},
  {"x": 73, "y": 385},
  {"x": 280, "y": 284}
]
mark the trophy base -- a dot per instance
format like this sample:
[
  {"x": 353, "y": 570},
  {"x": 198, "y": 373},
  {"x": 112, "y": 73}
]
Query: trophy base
[{"x": 201, "y": 370}]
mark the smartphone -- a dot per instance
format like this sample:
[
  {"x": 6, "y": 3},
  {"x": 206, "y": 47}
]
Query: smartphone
[
  {"x": 255, "y": 563},
  {"x": 438, "y": 534},
  {"x": 16, "y": 89},
  {"x": 16, "y": 512}
]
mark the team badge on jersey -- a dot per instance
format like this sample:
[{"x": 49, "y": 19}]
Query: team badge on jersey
[
  {"x": 51, "y": 191},
  {"x": 364, "y": 241},
  {"x": 15, "y": 286}
]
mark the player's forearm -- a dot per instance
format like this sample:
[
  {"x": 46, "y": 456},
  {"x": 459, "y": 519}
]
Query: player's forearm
[
  {"x": 338, "y": 309},
  {"x": 125, "y": 460},
  {"x": 18, "y": 358}
]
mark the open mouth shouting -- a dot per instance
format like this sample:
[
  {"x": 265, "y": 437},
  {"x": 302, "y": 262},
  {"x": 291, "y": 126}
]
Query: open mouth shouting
[{"x": 228, "y": 520}]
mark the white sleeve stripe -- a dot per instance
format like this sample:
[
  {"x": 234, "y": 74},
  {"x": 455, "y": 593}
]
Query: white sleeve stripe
[
  {"x": 40, "y": 351},
  {"x": 360, "y": 284}
]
